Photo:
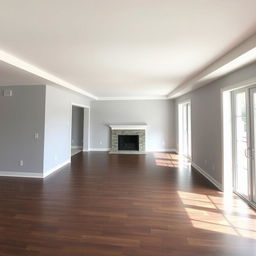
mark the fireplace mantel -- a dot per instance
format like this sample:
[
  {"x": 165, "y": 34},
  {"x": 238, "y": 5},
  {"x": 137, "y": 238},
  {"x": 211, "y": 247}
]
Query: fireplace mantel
[{"x": 128, "y": 126}]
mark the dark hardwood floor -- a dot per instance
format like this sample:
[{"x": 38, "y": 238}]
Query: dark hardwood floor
[{"x": 123, "y": 205}]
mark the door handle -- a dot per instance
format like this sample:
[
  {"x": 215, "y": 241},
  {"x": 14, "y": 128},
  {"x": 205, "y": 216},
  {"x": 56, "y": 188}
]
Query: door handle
[
  {"x": 253, "y": 153},
  {"x": 247, "y": 155}
]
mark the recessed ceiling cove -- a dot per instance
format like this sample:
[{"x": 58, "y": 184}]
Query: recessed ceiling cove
[{"x": 123, "y": 49}]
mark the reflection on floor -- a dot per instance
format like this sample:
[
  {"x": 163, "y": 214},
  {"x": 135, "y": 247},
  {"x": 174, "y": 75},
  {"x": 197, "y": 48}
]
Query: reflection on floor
[
  {"x": 218, "y": 214},
  {"x": 75, "y": 151},
  {"x": 229, "y": 215},
  {"x": 171, "y": 160}
]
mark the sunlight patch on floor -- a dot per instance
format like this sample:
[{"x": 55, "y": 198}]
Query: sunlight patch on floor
[
  {"x": 171, "y": 160},
  {"x": 213, "y": 227},
  {"x": 213, "y": 214}
]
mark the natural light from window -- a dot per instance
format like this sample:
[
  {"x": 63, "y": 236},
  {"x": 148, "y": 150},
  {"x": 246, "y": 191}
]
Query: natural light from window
[
  {"x": 171, "y": 160},
  {"x": 216, "y": 214}
]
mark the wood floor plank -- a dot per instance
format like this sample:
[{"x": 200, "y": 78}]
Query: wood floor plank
[{"x": 123, "y": 205}]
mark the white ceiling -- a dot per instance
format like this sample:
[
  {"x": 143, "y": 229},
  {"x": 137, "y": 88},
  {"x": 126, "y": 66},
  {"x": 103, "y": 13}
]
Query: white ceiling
[{"x": 121, "y": 48}]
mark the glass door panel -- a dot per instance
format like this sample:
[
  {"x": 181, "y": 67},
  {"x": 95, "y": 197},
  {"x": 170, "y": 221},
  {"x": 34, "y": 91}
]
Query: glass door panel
[
  {"x": 189, "y": 131},
  {"x": 241, "y": 151},
  {"x": 253, "y": 136},
  {"x": 185, "y": 129}
]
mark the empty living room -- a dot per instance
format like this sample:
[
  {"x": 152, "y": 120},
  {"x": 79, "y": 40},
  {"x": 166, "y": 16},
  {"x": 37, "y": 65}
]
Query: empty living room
[{"x": 128, "y": 128}]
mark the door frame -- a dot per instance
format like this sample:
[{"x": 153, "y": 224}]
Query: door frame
[
  {"x": 252, "y": 90},
  {"x": 86, "y": 129}
]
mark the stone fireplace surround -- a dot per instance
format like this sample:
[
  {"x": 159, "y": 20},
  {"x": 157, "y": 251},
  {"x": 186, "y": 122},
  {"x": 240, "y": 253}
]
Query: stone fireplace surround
[{"x": 128, "y": 129}]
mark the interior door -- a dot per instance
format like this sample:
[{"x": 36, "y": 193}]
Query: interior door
[{"x": 241, "y": 143}]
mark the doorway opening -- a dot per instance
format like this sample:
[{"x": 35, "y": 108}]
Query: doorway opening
[
  {"x": 239, "y": 130},
  {"x": 77, "y": 135},
  {"x": 80, "y": 129},
  {"x": 184, "y": 115}
]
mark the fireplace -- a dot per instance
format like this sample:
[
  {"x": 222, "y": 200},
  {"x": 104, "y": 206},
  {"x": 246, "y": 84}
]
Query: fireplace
[
  {"x": 128, "y": 142},
  {"x": 128, "y": 138}
]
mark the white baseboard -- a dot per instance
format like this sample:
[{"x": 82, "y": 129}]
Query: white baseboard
[
  {"x": 33, "y": 174},
  {"x": 76, "y": 147},
  {"x": 151, "y": 150},
  {"x": 54, "y": 169},
  {"x": 207, "y": 176},
  {"x": 22, "y": 174},
  {"x": 99, "y": 149},
  {"x": 162, "y": 150}
]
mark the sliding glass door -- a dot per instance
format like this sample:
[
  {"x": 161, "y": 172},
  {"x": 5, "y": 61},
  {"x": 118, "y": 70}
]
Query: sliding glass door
[
  {"x": 244, "y": 141},
  {"x": 241, "y": 143},
  {"x": 253, "y": 144},
  {"x": 185, "y": 129}
]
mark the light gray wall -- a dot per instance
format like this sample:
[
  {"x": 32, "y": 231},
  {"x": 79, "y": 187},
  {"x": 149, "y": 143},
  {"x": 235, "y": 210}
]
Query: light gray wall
[
  {"x": 77, "y": 126},
  {"x": 58, "y": 111},
  {"x": 206, "y": 123},
  {"x": 157, "y": 114},
  {"x": 21, "y": 116}
]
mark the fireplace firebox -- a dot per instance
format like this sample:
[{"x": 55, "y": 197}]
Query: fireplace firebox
[{"x": 128, "y": 142}]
